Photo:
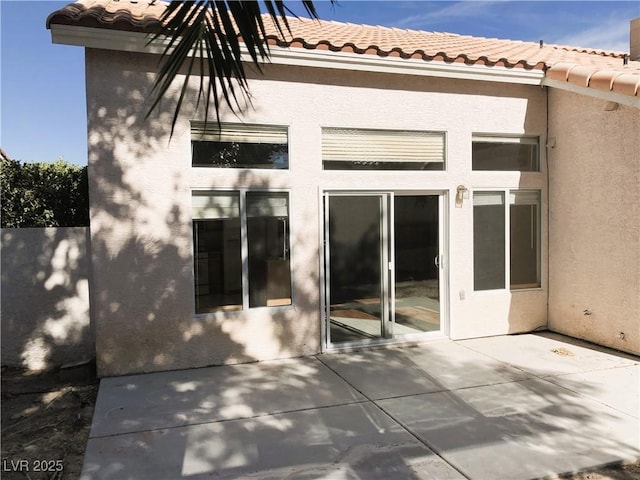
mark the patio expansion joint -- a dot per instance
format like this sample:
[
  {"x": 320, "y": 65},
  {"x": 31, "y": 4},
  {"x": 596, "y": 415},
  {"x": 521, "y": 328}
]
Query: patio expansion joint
[
  {"x": 398, "y": 422},
  {"x": 589, "y": 370},
  {"x": 546, "y": 377},
  {"x": 588, "y": 397},
  {"x": 633, "y": 361},
  {"x": 227, "y": 420}
]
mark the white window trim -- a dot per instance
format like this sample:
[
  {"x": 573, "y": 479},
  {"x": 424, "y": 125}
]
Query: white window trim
[
  {"x": 241, "y": 133},
  {"x": 509, "y": 138},
  {"x": 507, "y": 247},
  {"x": 495, "y": 138},
  {"x": 244, "y": 249}
]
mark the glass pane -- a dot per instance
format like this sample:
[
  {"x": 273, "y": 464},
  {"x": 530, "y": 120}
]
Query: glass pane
[
  {"x": 355, "y": 249},
  {"x": 217, "y": 264},
  {"x": 268, "y": 247},
  {"x": 525, "y": 239},
  {"x": 207, "y": 153},
  {"x": 488, "y": 240},
  {"x": 417, "y": 295},
  {"x": 510, "y": 156}
]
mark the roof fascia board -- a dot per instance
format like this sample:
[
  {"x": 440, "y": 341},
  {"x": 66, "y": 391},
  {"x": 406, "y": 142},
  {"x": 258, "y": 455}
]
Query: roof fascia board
[
  {"x": 139, "y": 42},
  {"x": 374, "y": 63},
  {"x": 105, "y": 39},
  {"x": 592, "y": 92}
]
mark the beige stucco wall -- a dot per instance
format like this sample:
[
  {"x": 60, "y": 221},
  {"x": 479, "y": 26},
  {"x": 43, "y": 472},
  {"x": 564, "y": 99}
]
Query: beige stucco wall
[
  {"x": 140, "y": 193},
  {"x": 45, "y": 297},
  {"x": 594, "y": 172}
]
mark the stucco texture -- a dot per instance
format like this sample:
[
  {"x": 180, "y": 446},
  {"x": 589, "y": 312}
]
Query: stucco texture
[
  {"x": 594, "y": 244},
  {"x": 140, "y": 194},
  {"x": 45, "y": 297}
]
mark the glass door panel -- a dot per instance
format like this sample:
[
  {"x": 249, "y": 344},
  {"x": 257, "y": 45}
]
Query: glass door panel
[
  {"x": 417, "y": 264},
  {"x": 356, "y": 255}
]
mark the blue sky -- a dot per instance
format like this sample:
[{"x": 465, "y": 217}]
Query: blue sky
[{"x": 42, "y": 102}]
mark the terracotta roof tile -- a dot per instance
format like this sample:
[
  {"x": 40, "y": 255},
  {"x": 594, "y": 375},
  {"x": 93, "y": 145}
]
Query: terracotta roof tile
[
  {"x": 127, "y": 15},
  {"x": 624, "y": 79},
  {"x": 599, "y": 69},
  {"x": 627, "y": 83}
]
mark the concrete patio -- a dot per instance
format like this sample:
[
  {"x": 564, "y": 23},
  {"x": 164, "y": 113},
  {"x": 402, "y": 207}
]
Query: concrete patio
[{"x": 511, "y": 407}]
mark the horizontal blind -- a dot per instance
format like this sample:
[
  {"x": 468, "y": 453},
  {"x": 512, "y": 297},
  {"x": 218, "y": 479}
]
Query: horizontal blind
[
  {"x": 524, "y": 198},
  {"x": 351, "y": 145},
  {"x": 267, "y": 205},
  {"x": 496, "y": 139},
  {"x": 238, "y": 133},
  {"x": 206, "y": 205},
  {"x": 488, "y": 198}
]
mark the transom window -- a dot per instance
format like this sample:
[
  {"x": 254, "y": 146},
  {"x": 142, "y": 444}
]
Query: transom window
[
  {"x": 239, "y": 146},
  {"x": 505, "y": 153},
  {"x": 502, "y": 236},
  {"x": 241, "y": 250},
  {"x": 357, "y": 149}
]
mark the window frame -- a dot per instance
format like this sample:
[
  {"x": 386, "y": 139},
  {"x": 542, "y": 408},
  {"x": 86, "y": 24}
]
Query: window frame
[
  {"x": 244, "y": 249},
  {"x": 538, "y": 230},
  {"x": 488, "y": 138},
  {"x": 507, "y": 232},
  {"x": 507, "y": 253},
  {"x": 329, "y": 129},
  {"x": 210, "y": 132}
]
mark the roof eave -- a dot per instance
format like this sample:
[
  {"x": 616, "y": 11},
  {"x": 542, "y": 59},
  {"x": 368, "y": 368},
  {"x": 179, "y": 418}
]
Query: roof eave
[
  {"x": 621, "y": 98},
  {"x": 396, "y": 65},
  {"x": 104, "y": 38},
  {"x": 140, "y": 42}
]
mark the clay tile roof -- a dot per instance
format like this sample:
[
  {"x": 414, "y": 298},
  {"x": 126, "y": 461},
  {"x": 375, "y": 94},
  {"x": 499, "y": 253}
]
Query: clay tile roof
[
  {"x": 126, "y": 15},
  {"x": 619, "y": 79},
  {"x": 598, "y": 69}
]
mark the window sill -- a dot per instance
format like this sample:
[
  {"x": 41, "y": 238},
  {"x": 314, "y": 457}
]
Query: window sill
[
  {"x": 509, "y": 290},
  {"x": 527, "y": 289},
  {"x": 240, "y": 311}
]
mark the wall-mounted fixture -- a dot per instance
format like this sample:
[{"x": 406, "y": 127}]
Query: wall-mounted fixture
[
  {"x": 611, "y": 106},
  {"x": 462, "y": 194}
]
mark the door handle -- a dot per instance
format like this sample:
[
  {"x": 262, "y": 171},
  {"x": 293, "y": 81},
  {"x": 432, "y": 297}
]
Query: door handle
[{"x": 436, "y": 261}]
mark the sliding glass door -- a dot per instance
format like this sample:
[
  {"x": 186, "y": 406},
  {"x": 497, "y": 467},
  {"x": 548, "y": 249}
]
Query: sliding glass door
[
  {"x": 382, "y": 265},
  {"x": 357, "y": 252},
  {"x": 417, "y": 264}
]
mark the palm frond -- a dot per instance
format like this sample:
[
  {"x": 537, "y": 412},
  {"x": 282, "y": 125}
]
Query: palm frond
[{"x": 217, "y": 33}]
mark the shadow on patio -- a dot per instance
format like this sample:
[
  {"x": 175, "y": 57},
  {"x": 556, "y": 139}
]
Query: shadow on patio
[{"x": 363, "y": 415}]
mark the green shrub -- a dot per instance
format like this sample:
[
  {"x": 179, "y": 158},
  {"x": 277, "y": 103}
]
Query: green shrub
[{"x": 43, "y": 194}]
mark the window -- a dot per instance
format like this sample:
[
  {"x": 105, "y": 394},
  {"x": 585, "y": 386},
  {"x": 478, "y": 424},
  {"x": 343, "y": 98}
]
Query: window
[
  {"x": 239, "y": 146},
  {"x": 505, "y": 153},
  {"x": 488, "y": 240},
  {"x": 492, "y": 225},
  {"x": 350, "y": 149},
  {"x": 268, "y": 249},
  {"x": 217, "y": 251},
  {"x": 221, "y": 220},
  {"x": 524, "y": 231}
]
